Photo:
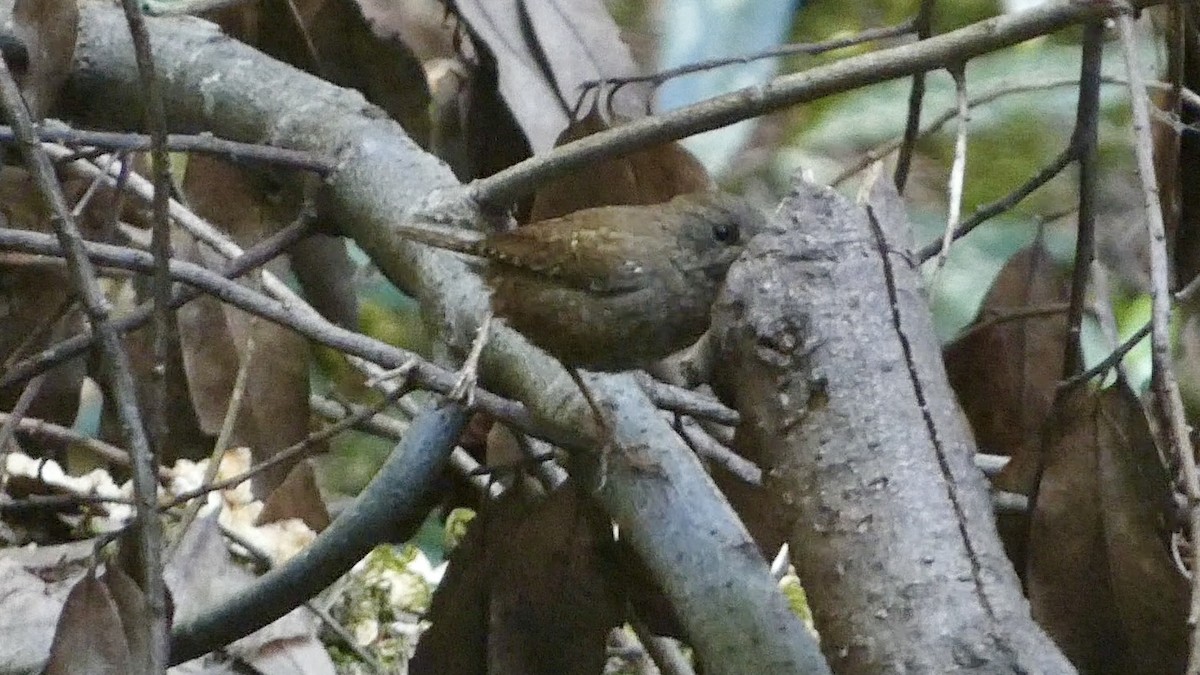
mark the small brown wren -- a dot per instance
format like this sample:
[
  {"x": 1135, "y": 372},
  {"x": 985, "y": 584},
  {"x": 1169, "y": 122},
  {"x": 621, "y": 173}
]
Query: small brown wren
[{"x": 610, "y": 288}]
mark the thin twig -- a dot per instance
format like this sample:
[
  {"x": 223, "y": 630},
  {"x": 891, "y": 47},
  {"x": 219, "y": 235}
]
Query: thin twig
[
  {"x": 307, "y": 323},
  {"x": 256, "y": 256},
  {"x": 1084, "y": 143},
  {"x": 225, "y": 434},
  {"x": 147, "y": 528},
  {"x": 92, "y": 189},
  {"x": 687, "y": 402},
  {"x": 393, "y": 429},
  {"x": 105, "y": 451},
  {"x": 60, "y": 502},
  {"x": 1003, "y": 89},
  {"x": 989, "y": 211},
  {"x": 210, "y": 235},
  {"x": 916, "y": 98},
  {"x": 293, "y": 452},
  {"x": 201, "y": 144},
  {"x": 155, "y": 118},
  {"x": 958, "y": 168},
  {"x": 716, "y": 452},
  {"x": 996, "y": 318},
  {"x": 9, "y": 426},
  {"x": 809, "y": 48},
  {"x": 1168, "y": 402},
  {"x": 1109, "y": 361}
]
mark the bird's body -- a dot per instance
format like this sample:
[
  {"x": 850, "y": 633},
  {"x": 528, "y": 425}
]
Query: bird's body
[{"x": 615, "y": 287}]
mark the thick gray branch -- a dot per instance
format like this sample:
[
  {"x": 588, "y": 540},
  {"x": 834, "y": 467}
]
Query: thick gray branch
[
  {"x": 838, "y": 375},
  {"x": 656, "y": 489}
]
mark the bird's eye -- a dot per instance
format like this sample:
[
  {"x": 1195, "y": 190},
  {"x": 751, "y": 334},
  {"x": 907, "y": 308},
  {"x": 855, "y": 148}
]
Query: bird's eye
[{"x": 726, "y": 233}]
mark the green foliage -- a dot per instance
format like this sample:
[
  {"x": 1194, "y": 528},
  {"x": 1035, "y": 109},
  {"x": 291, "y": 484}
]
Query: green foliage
[
  {"x": 456, "y": 527},
  {"x": 797, "y": 599},
  {"x": 380, "y": 600}
]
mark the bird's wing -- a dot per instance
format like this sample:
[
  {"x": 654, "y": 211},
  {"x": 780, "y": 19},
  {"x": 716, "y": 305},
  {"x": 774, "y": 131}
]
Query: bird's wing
[{"x": 592, "y": 260}]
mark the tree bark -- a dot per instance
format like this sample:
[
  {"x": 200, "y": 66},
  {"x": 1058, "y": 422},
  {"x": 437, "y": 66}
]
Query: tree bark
[{"x": 835, "y": 367}]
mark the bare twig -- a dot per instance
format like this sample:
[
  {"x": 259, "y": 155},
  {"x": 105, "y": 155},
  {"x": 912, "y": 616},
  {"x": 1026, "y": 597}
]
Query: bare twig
[
  {"x": 958, "y": 168},
  {"x": 204, "y": 144},
  {"x": 147, "y": 529},
  {"x": 989, "y": 211},
  {"x": 296, "y": 450},
  {"x": 60, "y": 502},
  {"x": 1168, "y": 402},
  {"x": 316, "y": 328},
  {"x": 716, "y": 452},
  {"x": 9, "y": 426},
  {"x": 155, "y": 118},
  {"x": 227, "y": 426},
  {"x": 105, "y": 451},
  {"x": 393, "y": 429},
  {"x": 809, "y": 48},
  {"x": 916, "y": 98},
  {"x": 687, "y": 402},
  {"x": 1084, "y": 143},
  {"x": 996, "y": 318},
  {"x": 1109, "y": 361},
  {"x": 257, "y": 255},
  {"x": 1004, "y": 88}
]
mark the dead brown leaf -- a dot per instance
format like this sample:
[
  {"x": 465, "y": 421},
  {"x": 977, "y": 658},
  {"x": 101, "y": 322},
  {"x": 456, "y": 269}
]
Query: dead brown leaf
[
  {"x": 335, "y": 41},
  {"x": 544, "y": 51},
  {"x": 90, "y": 637},
  {"x": 1135, "y": 506},
  {"x": 1005, "y": 371},
  {"x": 527, "y": 595},
  {"x": 297, "y": 497},
  {"x": 1099, "y": 577},
  {"x": 274, "y": 411},
  {"x": 649, "y": 176}
]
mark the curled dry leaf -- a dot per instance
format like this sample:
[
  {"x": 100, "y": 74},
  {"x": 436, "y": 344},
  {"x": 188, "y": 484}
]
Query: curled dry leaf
[
  {"x": 1135, "y": 508},
  {"x": 297, "y": 497},
  {"x": 1005, "y": 367},
  {"x": 274, "y": 412},
  {"x": 1099, "y": 577},
  {"x": 1004, "y": 373},
  {"x": 544, "y": 51},
  {"x": 649, "y": 176},
  {"x": 525, "y": 591},
  {"x": 90, "y": 637}
]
